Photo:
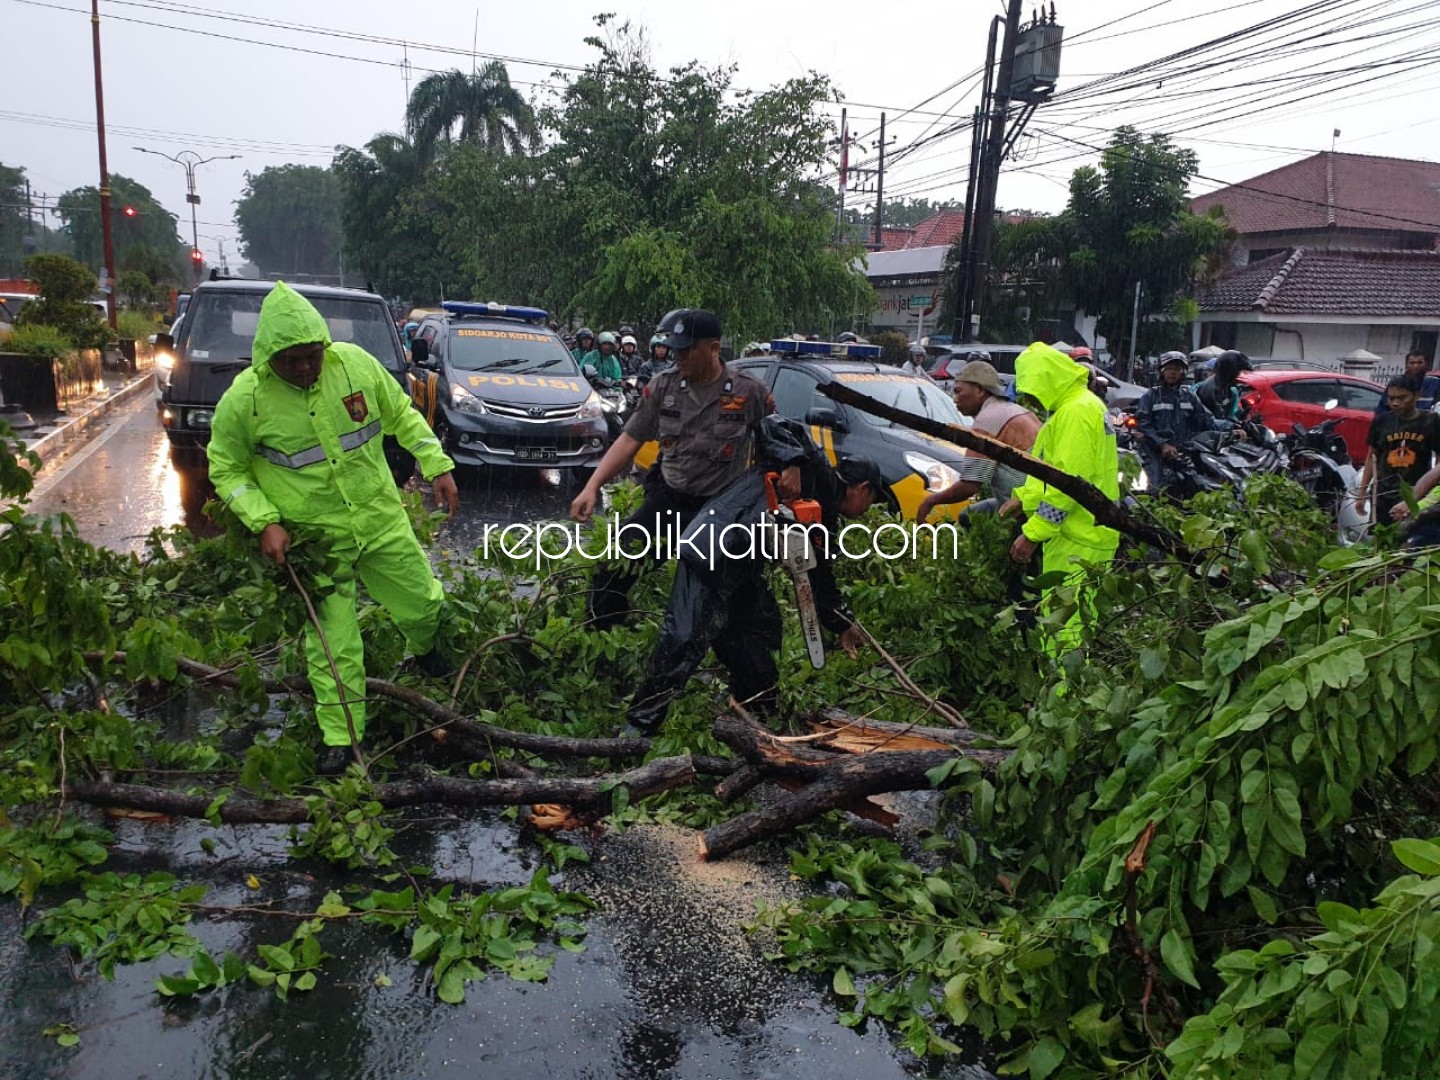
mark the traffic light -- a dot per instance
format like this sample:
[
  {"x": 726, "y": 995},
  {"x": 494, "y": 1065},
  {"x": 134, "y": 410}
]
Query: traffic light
[
  {"x": 196, "y": 256},
  {"x": 131, "y": 212}
]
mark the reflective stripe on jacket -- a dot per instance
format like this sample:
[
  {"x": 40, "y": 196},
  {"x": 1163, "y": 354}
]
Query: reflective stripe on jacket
[
  {"x": 1075, "y": 439},
  {"x": 314, "y": 456}
]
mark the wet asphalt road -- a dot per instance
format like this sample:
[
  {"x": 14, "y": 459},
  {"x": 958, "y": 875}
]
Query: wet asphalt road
[
  {"x": 121, "y": 485},
  {"x": 669, "y": 984}
]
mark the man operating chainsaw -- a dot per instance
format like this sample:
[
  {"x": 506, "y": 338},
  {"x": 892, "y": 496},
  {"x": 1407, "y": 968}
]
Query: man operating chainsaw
[{"x": 721, "y": 600}]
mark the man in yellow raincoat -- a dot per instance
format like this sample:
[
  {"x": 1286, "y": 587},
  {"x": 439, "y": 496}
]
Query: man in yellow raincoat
[
  {"x": 297, "y": 441},
  {"x": 1075, "y": 439}
]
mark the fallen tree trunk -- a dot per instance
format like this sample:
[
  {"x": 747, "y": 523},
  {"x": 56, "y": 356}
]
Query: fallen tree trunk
[
  {"x": 859, "y": 734},
  {"x": 834, "y": 785},
  {"x": 592, "y": 795},
  {"x": 1107, "y": 512},
  {"x": 439, "y": 715},
  {"x": 821, "y": 781}
]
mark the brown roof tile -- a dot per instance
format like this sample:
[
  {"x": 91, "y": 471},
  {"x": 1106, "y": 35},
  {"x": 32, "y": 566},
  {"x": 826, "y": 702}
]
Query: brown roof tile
[
  {"x": 1332, "y": 281},
  {"x": 1343, "y": 191}
]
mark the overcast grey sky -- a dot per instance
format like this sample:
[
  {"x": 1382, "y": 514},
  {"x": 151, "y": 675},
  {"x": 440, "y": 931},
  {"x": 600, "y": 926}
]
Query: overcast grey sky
[{"x": 170, "y": 89}]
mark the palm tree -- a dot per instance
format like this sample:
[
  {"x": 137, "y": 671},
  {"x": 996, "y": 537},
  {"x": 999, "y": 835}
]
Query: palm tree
[{"x": 482, "y": 105}]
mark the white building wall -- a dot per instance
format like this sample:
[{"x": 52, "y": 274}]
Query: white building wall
[{"x": 1323, "y": 344}]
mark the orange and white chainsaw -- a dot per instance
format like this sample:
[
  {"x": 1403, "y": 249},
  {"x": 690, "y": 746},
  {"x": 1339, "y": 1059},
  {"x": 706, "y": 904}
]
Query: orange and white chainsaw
[{"x": 788, "y": 541}]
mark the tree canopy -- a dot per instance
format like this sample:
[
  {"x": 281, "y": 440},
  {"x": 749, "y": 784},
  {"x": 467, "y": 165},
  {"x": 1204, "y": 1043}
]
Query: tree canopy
[
  {"x": 651, "y": 191},
  {"x": 452, "y": 107},
  {"x": 289, "y": 220},
  {"x": 151, "y": 226}
]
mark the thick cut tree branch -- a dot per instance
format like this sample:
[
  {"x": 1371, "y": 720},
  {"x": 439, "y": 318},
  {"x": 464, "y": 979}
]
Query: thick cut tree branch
[
  {"x": 1107, "y": 513},
  {"x": 832, "y": 781},
  {"x": 659, "y": 775}
]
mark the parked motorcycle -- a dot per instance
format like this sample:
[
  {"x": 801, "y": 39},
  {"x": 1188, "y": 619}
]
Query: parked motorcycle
[{"x": 1320, "y": 463}]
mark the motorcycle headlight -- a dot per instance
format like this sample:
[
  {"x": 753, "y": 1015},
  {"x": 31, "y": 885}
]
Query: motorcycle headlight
[
  {"x": 164, "y": 362},
  {"x": 938, "y": 475},
  {"x": 464, "y": 400},
  {"x": 595, "y": 406}
]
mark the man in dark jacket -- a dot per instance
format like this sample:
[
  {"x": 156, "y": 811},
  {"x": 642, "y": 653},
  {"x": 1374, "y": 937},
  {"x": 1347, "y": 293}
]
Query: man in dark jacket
[
  {"x": 1168, "y": 417},
  {"x": 722, "y": 601},
  {"x": 1221, "y": 391}
]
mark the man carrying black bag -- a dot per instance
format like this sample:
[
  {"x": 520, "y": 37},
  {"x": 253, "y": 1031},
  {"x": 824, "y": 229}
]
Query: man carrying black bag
[{"x": 723, "y": 601}]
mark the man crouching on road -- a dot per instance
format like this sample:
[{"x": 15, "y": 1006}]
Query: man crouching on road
[
  {"x": 297, "y": 442},
  {"x": 722, "y": 601}
]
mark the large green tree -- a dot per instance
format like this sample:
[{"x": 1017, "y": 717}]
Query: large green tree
[
  {"x": 1128, "y": 222},
  {"x": 393, "y": 233},
  {"x": 482, "y": 107},
  {"x": 150, "y": 225},
  {"x": 289, "y": 220},
  {"x": 14, "y": 220}
]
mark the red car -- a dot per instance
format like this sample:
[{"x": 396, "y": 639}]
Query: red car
[{"x": 1282, "y": 398}]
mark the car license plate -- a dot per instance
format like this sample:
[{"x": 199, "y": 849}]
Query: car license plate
[{"x": 535, "y": 453}]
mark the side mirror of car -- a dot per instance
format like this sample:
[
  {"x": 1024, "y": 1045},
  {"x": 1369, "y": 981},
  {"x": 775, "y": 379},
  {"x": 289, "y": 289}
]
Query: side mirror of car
[
  {"x": 828, "y": 418},
  {"x": 420, "y": 352},
  {"x": 591, "y": 372},
  {"x": 163, "y": 341}
]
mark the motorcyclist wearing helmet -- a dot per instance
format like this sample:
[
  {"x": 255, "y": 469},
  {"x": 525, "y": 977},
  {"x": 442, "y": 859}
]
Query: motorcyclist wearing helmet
[
  {"x": 656, "y": 362},
  {"x": 847, "y": 337},
  {"x": 584, "y": 346},
  {"x": 607, "y": 358},
  {"x": 1220, "y": 393},
  {"x": 629, "y": 354},
  {"x": 915, "y": 361},
  {"x": 1168, "y": 416}
]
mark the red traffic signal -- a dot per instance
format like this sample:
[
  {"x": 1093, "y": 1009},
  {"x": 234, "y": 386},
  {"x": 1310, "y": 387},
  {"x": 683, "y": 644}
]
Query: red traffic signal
[
  {"x": 196, "y": 256},
  {"x": 130, "y": 211}
]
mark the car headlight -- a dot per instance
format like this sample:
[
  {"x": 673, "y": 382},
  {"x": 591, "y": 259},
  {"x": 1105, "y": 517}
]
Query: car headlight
[
  {"x": 596, "y": 406},
  {"x": 938, "y": 475},
  {"x": 464, "y": 400}
]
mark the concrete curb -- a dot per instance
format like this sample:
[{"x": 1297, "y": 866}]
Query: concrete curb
[{"x": 50, "y": 446}]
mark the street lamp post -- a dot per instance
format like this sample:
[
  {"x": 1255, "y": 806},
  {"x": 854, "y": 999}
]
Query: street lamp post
[{"x": 190, "y": 161}]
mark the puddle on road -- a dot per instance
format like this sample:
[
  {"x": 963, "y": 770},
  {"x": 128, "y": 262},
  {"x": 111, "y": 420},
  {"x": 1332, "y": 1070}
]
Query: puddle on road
[{"x": 669, "y": 984}]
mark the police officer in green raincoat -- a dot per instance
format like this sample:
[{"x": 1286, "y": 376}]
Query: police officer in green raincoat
[
  {"x": 1075, "y": 439},
  {"x": 297, "y": 441}
]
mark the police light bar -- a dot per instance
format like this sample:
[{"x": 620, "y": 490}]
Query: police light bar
[
  {"x": 495, "y": 311},
  {"x": 784, "y": 345},
  {"x": 857, "y": 351}
]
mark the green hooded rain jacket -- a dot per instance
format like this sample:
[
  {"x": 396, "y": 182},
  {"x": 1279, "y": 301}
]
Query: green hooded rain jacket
[
  {"x": 315, "y": 457},
  {"x": 1076, "y": 439}
]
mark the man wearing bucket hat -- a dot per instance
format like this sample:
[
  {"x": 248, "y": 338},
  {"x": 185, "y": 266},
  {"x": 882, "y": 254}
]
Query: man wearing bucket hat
[{"x": 980, "y": 395}]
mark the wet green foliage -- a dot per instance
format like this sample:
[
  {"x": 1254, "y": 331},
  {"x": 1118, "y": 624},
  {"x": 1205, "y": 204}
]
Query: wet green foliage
[
  {"x": 1172, "y": 875},
  {"x": 1210, "y": 852}
]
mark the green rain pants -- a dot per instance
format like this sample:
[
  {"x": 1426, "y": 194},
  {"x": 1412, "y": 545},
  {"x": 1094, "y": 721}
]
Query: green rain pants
[
  {"x": 398, "y": 577},
  {"x": 1061, "y": 554}
]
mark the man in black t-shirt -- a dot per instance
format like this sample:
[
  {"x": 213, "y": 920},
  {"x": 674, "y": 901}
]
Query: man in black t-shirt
[{"x": 1403, "y": 443}]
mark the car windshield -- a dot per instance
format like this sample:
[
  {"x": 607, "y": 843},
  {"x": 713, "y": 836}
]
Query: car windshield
[
  {"x": 914, "y": 395},
  {"x": 515, "y": 351},
  {"x": 222, "y": 325}
]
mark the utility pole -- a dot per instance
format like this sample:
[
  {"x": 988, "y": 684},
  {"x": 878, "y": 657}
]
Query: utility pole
[
  {"x": 844, "y": 179},
  {"x": 1134, "y": 333},
  {"x": 107, "y": 241},
  {"x": 965, "y": 271},
  {"x": 880, "y": 184},
  {"x": 190, "y": 161},
  {"x": 989, "y": 148}
]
